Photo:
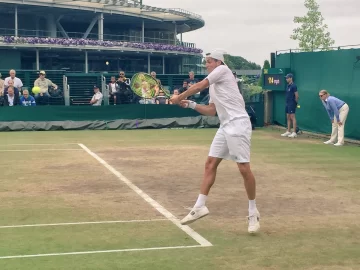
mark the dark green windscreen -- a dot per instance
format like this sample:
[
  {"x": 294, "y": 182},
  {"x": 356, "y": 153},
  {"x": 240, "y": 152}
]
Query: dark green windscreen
[{"x": 334, "y": 71}]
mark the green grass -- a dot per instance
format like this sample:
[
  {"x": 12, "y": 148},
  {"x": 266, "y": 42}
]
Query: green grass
[
  {"x": 308, "y": 196},
  {"x": 91, "y": 237}
]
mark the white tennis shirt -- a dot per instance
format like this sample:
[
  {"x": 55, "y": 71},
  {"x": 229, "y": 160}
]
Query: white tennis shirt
[{"x": 225, "y": 94}]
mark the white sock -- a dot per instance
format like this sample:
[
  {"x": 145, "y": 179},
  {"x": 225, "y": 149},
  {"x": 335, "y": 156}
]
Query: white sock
[
  {"x": 252, "y": 207},
  {"x": 201, "y": 200}
]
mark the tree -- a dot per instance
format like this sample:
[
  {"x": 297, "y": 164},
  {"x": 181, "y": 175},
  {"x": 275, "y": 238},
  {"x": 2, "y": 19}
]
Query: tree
[
  {"x": 265, "y": 66},
  {"x": 312, "y": 34},
  {"x": 238, "y": 62}
]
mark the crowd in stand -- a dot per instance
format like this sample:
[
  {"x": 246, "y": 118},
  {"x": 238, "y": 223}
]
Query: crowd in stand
[
  {"x": 13, "y": 94},
  {"x": 119, "y": 89}
]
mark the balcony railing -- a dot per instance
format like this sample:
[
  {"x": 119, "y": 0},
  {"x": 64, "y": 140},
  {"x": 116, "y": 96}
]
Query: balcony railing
[
  {"x": 186, "y": 13},
  {"x": 94, "y": 36}
]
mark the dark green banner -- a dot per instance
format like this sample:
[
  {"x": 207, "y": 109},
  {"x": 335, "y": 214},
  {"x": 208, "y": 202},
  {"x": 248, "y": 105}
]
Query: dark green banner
[{"x": 92, "y": 113}]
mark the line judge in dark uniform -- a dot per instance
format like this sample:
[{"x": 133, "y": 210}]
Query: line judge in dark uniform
[{"x": 292, "y": 97}]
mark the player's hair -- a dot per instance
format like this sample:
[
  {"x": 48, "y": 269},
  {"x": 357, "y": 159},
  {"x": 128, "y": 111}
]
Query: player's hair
[{"x": 324, "y": 92}]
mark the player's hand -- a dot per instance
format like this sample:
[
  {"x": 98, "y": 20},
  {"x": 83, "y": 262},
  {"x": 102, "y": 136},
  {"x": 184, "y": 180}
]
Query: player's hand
[
  {"x": 340, "y": 123},
  {"x": 175, "y": 99},
  {"x": 332, "y": 121},
  {"x": 184, "y": 103}
]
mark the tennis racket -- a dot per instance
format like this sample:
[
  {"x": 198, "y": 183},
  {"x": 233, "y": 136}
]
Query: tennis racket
[{"x": 145, "y": 86}]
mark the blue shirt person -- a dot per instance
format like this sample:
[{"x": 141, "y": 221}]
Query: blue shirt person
[
  {"x": 332, "y": 106},
  {"x": 292, "y": 97},
  {"x": 337, "y": 111},
  {"x": 26, "y": 99},
  {"x": 291, "y": 91}
]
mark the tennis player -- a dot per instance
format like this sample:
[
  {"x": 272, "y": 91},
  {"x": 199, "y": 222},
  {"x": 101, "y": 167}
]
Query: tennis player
[{"x": 232, "y": 140}]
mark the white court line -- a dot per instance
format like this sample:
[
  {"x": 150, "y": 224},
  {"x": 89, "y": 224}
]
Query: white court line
[
  {"x": 38, "y": 150},
  {"x": 197, "y": 237},
  {"x": 94, "y": 252},
  {"x": 17, "y": 144},
  {"x": 82, "y": 223}
]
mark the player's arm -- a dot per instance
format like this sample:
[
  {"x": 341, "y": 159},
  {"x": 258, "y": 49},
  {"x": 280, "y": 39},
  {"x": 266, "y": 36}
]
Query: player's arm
[
  {"x": 197, "y": 87},
  {"x": 297, "y": 97},
  {"x": 209, "y": 110},
  {"x": 37, "y": 82}
]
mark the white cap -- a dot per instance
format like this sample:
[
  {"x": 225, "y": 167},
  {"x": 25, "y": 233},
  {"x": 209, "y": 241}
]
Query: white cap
[{"x": 217, "y": 54}]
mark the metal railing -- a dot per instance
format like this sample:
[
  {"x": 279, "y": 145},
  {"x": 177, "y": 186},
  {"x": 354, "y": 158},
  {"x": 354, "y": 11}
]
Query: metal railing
[
  {"x": 186, "y": 13},
  {"x": 93, "y": 36},
  {"x": 335, "y": 48}
]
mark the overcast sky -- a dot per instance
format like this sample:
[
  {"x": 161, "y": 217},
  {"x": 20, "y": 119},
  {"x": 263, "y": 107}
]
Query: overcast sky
[{"x": 255, "y": 28}]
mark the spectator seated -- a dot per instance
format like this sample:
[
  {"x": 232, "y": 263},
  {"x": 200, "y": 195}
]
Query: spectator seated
[{"x": 161, "y": 98}]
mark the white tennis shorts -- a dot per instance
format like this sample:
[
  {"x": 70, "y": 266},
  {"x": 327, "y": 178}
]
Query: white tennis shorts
[{"x": 232, "y": 142}]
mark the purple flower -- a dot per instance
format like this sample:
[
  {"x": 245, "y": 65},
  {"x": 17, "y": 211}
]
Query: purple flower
[{"x": 91, "y": 42}]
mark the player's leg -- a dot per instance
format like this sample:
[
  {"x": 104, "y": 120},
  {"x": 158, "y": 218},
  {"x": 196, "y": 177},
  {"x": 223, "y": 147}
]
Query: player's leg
[
  {"x": 287, "y": 133},
  {"x": 209, "y": 175},
  {"x": 334, "y": 132},
  {"x": 343, "y": 113},
  {"x": 217, "y": 152},
  {"x": 250, "y": 187},
  {"x": 293, "y": 120},
  {"x": 239, "y": 142},
  {"x": 288, "y": 117},
  {"x": 292, "y": 111}
]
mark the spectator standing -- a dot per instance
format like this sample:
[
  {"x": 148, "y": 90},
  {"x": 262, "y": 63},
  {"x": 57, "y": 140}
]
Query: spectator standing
[
  {"x": 17, "y": 82},
  {"x": 153, "y": 74},
  {"x": 125, "y": 93},
  {"x": 192, "y": 79},
  {"x": 114, "y": 89}
]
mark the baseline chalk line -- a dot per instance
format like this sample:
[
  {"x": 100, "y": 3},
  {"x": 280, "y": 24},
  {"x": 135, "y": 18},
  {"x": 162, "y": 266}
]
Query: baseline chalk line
[
  {"x": 35, "y": 144},
  {"x": 82, "y": 223},
  {"x": 93, "y": 252},
  {"x": 197, "y": 237},
  {"x": 38, "y": 150}
]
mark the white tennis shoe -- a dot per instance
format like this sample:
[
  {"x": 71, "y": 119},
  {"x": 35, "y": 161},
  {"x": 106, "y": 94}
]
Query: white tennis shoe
[
  {"x": 328, "y": 142},
  {"x": 254, "y": 222},
  {"x": 195, "y": 214},
  {"x": 292, "y": 135},
  {"x": 286, "y": 134}
]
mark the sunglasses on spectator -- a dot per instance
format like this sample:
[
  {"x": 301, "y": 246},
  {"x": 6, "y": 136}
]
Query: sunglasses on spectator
[{"x": 320, "y": 95}]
